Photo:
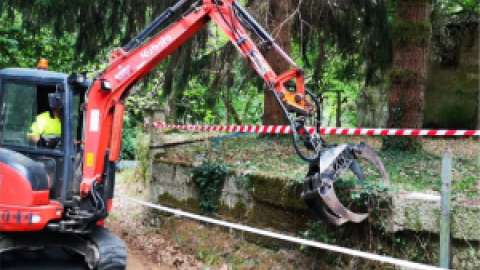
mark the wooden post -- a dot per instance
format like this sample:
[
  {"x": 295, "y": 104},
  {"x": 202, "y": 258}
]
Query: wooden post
[
  {"x": 445, "y": 212},
  {"x": 339, "y": 107}
]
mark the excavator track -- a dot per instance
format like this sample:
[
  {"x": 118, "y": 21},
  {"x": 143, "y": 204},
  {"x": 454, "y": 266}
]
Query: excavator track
[
  {"x": 112, "y": 252},
  {"x": 98, "y": 250}
]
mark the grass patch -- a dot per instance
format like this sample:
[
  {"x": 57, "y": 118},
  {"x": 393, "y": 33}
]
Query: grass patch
[
  {"x": 125, "y": 176},
  {"x": 112, "y": 217},
  {"x": 276, "y": 157}
]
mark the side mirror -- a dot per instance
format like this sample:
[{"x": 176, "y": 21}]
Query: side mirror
[
  {"x": 77, "y": 79},
  {"x": 55, "y": 100}
]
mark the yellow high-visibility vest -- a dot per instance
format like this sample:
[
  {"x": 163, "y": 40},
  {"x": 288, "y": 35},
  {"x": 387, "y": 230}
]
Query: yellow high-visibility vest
[{"x": 46, "y": 125}]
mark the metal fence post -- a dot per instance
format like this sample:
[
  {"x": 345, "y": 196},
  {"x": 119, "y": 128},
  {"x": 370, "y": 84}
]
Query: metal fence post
[{"x": 445, "y": 212}]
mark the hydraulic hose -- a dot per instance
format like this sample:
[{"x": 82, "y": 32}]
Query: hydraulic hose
[
  {"x": 317, "y": 106},
  {"x": 294, "y": 131}
]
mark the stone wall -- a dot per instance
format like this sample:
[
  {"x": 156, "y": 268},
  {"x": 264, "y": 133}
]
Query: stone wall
[
  {"x": 372, "y": 107},
  {"x": 275, "y": 204},
  {"x": 451, "y": 92}
]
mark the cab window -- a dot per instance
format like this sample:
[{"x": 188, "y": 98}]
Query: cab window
[
  {"x": 18, "y": 112},
  {"x": 22, "y": 105}
]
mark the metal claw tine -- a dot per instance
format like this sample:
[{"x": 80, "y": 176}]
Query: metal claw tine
[
  {"x": 355, "y": 167},
  {"x": 316, "y": 207},
  {"x": 366, "y": 152},
  {"x": 331, "y": 200}
]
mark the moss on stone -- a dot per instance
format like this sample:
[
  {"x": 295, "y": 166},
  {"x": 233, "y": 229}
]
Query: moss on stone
[
  {"x": 191, "y": 204},
  {"x": 268, "y": 242},
  {"x": 265, "y": 215},
  {"x": 239, "y": 210},
  {"x": 277, "y": 191},
  {"x": 237, "y": 213},
  {"x": 407, "y": 32},
  {"x": 175, "y": 162},
  {"x": 159, "y": 155},
  {"x": 406, "y": 77},
  {"x": 465, "y": 223}
]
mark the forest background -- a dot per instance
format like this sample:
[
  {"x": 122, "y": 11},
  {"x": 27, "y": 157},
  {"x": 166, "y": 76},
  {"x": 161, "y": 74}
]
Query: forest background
[{"x": 343, "y": 45}]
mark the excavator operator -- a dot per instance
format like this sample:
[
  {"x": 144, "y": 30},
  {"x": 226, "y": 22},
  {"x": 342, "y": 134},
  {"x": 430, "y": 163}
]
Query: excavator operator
[
  {"x": 47, "y": 124},
  {"x": 47, "y": 129}
]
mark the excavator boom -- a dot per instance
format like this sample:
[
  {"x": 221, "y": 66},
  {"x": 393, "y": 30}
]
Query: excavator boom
[
  {"x": 133, "y": 62},
  {"x": 106, "y": 96}
]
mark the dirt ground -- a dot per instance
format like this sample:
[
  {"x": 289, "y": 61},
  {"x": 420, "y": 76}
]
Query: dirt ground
[
  {"x": 186, "y": 244},
  {"x": 147, "y": 249}
]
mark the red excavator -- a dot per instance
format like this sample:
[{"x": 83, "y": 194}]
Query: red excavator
[{"x": 57, "y": 191}]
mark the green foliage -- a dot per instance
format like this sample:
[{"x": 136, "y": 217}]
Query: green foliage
[
  {"x": 147, "y": 94},
  {"x": 373, "y": 195},
  {"x": 245, "y": 181},
  {"x": 456, "y": 116},
  {"x": 210, "y": 177},
  {"x": 343, "y": 75},
  {"x": 468, "y": 187},
  {"x": 462, "y": 9},
  {"x": 407, "y": 32},
  {"x": 75, "y": 35},
  {"x": 394, "y": 143},
  {"x": 341, "y": 50},
  {"x": 128, "y": 137},
  {"x": 22, "y": 48},
  {"x": 200, "y": 104},
  {"x": 318, "y": 231},
  {"x": 418, "y": 1},
  {"x": 142, "y": 153},
  {"x": 97, "y": 26}
]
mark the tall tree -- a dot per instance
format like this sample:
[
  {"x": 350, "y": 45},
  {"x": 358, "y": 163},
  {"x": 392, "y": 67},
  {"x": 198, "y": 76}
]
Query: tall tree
[
  {"x": 21, "y": 48},
  {"x": 279, "y": 11},
  {"x": 411, "y": 36},
  {"x": 318, "y": 26}
]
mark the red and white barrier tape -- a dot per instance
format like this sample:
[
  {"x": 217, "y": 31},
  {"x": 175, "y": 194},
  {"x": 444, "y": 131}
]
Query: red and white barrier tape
[{"x": 324, "y": 131}]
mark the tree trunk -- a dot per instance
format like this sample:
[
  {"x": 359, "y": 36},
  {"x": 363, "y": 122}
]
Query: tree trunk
[
  {"x": 169, "y": 90},
  {"x": 280, "y": 10},
  {"x": 411, "y": 36}
]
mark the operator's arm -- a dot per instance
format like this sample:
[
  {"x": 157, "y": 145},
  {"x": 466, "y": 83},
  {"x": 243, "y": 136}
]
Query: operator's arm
[{"x": 35, "y": 132}]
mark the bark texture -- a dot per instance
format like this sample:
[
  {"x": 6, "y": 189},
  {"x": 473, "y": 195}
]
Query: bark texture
[
  {"x": 279, "y": 10},
  {"x": 411, "y": 36}
]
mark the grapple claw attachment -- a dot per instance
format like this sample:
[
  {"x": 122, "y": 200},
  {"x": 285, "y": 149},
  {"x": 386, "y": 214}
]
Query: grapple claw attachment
[
  {"x": 330, "y": 198},
  {"x": 355, "y": 167},
  {"x": 322, "y": 175},
  {"x": 366, "y": 152},
  {"x": 316, "y": 207}
]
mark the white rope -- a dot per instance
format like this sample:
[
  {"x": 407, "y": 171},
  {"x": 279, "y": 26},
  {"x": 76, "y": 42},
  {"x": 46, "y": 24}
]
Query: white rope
[{"x": 297, "y": 240}]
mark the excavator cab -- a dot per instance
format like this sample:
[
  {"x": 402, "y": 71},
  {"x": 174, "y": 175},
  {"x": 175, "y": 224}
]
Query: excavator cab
[
  {"x": 28, "y": 97},
  {"x": 38, "y": 186}
]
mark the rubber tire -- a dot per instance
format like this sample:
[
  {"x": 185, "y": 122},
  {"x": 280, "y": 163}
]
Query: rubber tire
[{"x": 112, "y": 249}]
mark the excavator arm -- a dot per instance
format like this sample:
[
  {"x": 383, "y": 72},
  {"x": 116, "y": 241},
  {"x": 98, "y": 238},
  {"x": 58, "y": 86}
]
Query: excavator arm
[{"x": 105, "y": 103}]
